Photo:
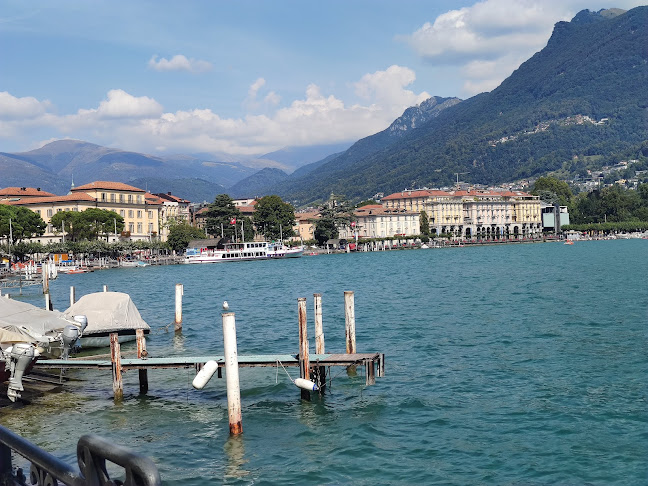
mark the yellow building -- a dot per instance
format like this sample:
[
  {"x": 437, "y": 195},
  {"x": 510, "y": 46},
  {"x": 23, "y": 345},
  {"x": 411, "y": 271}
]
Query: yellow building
[{"x": 141, "y": 218}]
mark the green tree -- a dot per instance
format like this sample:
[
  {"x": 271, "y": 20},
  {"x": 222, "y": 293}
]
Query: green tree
[
  {"x": 336, "y": 212},
  {"x": 88, "y": 224},
  {"x": 221, "y": 215},
  {"x": 274, "y": 218},
  {"x": 424, "y": 224},
  {"x": 25, "y": 223},
  {"x": 545, "y": 186},
  {"x": 181, "y": 234}
]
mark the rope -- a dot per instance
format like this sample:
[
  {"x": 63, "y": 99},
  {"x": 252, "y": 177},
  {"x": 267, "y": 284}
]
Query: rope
[{"x": 284, "y": 368}]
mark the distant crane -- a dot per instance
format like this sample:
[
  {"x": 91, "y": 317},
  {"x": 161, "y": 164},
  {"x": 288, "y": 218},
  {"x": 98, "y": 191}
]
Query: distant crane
[{"x": 458, "y": 174}]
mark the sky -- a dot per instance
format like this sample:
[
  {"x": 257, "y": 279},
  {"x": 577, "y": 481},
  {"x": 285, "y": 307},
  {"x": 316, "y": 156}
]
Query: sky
[{"x": 247, "y": 77}]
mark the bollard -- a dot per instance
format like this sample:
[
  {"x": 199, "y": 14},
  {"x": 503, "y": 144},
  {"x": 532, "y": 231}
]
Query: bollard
[
  {"x": 304, "y": 365},
  {"x": 72, "y": 295},
  {"x": 319, "y": 340},
  {"x": 179, "y": 292},
  {"x": 142, "y": 353},
  {"x": 231, "y": 370},
  {"x": 105, "y": 288},
  {"x": 45, "y": 270},
  {"x": 349, "y": 321},
  {"x": 115, "y": 358}
]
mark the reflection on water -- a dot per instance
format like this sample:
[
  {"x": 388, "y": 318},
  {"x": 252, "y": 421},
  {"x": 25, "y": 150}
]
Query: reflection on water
[{"x": 235, "y": 452}]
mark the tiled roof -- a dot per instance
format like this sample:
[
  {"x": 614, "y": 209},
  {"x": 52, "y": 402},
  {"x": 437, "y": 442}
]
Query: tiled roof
[
  {"x": 153, "y": 198},
  {"x": 52, "y": 199},
  {"x": 24, "y": 191},
  {"x": 407, "y": 194},
  {"x": 107, "y": 185},
  {"x": 170, "y": 197},
  {"x": 304, "y": 217}
]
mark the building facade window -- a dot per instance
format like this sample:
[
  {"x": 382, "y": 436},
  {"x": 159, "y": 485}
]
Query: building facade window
[
  {"x": 150, "y": 214},
  {"x": 131, "y": 227},
  {"x": 103, "y": 197},
  {"x": 130, "y": 213},
  {"x": 121, "y": 198},
  {"x": 130, "y": 199},
  {"x": 122, "y": 213},
  {"x": 139, "y": 199},
  {"x": 139, "y": 227},
  {"x": 139, "y": 214},
  {"x": 112, "y": 198}
]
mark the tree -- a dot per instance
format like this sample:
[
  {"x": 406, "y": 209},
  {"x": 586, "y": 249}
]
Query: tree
[
  {"x": 25, "y": 223},
  {"x": 274, "y": 218},
  {"x": 222, "y": 215},
  {"x": 424, "y": 224},
  {"x": 560, "y": 188},
  {"x": 181, "y": 234},
  {"x": 88, "y": 224},
  {"x": 336, "y": 212}
]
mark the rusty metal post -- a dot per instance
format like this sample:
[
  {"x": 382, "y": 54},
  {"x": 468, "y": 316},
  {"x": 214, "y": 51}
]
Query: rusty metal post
[
  {"x": 304, "y": 365},
  {"x": 232, "y": 374},
  {"x": 179, "y": 292},
  {"x": 115, "y": 358},
  {"x": 142, "y": 353}
]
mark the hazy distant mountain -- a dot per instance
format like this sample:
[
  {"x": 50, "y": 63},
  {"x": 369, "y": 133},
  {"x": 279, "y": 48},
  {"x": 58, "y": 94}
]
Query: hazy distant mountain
[
  {"x": 581, "y": 100},
  {"x": 295, "y": 157},
  {"x": 195, "y": 190},
  {"x": 54, "y": 166},
  {"x": 256, "y": 184}
]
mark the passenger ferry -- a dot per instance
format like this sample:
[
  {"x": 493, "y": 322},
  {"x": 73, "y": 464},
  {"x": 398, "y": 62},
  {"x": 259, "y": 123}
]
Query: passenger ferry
[{"x": 236, "y": 252}]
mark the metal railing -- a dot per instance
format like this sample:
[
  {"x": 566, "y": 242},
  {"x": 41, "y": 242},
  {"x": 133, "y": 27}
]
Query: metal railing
[{"x": 92, "y": 453}]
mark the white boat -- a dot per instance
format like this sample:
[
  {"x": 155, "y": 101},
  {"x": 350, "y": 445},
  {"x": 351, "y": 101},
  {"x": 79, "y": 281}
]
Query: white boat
[
  {"x": 213, "y": 252},
  {"x": 133, "y": 263}
]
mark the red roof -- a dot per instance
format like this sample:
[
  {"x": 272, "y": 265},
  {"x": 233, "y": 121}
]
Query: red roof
[
  {"x": 107, "y": 185},
  {"x": 24, "y": 191},
  {"x": 170, "y": 197},
  {"x": 53, "y": 199}
]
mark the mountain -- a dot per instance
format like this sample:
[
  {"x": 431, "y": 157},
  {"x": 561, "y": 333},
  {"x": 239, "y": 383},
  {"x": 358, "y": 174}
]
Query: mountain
[
  {"x": 195, "y": 190},
  {"x": 579, "y": 100},
  {"x": 256, "y": 184},
  {"x": 410, "y": 119},
  {"x": 54, "y": 166},
  {"x": 293, "y": 158}
]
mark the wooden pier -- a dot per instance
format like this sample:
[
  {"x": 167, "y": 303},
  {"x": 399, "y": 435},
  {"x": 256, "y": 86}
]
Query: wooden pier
[{"x": 313, "y": 368}]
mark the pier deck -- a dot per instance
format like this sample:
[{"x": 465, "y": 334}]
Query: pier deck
[{"x": 270, "y": 360}]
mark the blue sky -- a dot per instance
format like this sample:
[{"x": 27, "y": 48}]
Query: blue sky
[{"x": 248, "y": 77}]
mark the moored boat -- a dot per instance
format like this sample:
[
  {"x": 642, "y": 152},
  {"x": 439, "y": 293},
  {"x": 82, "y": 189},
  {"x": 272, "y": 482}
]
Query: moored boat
[{"x": 208, "y": 251}]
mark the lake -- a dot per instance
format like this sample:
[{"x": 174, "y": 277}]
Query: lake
[{"x": 512, "y": 364}]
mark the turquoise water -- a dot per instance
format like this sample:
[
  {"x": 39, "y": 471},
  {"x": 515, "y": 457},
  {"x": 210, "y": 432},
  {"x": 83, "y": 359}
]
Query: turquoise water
[{"x": 517, "y": 364}]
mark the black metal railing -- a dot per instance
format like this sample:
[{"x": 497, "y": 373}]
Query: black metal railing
[{"x": 92, "y": 453}]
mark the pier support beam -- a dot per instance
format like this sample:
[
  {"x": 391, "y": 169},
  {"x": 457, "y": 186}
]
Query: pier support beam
[
  {"x": 349, "y": 322},
  {"x": 141, "y": 353},
  {"x": 115, "y": 358},
  {"x": 179, "y": 292},
  {"x": 304, "y": 364},
  {"x": 232, "y": 374}
]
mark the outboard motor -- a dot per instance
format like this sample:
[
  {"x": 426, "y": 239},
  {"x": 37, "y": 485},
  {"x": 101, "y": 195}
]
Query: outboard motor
[
  {"x": 69, "y": 335},
  {"x": 20, "y": 356},
  {"x": 83, "y": 322}
]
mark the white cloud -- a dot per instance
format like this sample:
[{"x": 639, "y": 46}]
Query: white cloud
[
  {"x": 139, "y": 123},
  {"x": 120, "y": 104},
  {"x": 270, "y": 100},
  {"x": 179, "y": 63},
  {"x": 12, "y": 108},
  {"x": 490, "y": 38}
]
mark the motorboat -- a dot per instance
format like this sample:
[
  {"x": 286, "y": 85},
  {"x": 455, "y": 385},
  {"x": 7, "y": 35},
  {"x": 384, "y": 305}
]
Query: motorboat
[{"x": 226, "y": 251}]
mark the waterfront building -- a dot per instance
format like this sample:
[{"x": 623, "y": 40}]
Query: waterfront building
[
  {"x": 172, "y": 209},
  {"x": 470, "y": 213},
  {"x": 18, "y": 193},
  {"x": 376, "y": 221},
  {"x": 141, "y": 218},
  {"x": 304, "y": 228}
]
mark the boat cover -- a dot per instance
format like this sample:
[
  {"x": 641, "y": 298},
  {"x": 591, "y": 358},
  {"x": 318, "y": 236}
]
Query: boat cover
[
  {"x": 107, "y": 312},
  {"x": 29, "y": 320}
]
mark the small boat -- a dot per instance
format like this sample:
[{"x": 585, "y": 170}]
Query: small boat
[
  {"x": 226, "y": 251},
  {"x": 106, "y": 313},
  {"x": 133, "y": 263},
  {"x": 569, "y": 242}
]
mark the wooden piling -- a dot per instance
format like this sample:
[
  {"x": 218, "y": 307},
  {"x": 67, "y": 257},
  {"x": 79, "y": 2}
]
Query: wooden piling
[
  {"x": 304, "y": 365},
  {"x": 115, "y": 358},
  {"x": 349, "y": 321},
  {"x": 231, "y": 370},
  {"x": 72, "y": 295},
  {"x": 319, "y": 339},
  {"x": 179, "y": 292},
  {"x": 142, "y": 353},
  {"x": 370, "y": 372}
]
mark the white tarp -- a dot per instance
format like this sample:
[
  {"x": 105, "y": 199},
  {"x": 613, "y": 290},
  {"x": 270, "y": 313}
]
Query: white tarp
[
  {"x": 29, "y": 320},
  {"x": 107, "y": 312}
]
